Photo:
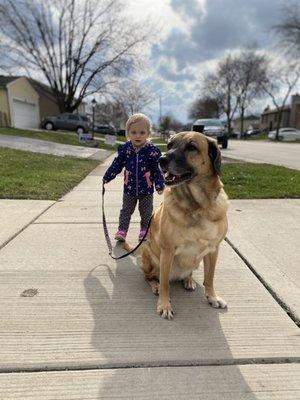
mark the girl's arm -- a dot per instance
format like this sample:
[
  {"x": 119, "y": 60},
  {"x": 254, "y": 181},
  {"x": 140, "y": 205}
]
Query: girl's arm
[{"x": 116, "y": 166}]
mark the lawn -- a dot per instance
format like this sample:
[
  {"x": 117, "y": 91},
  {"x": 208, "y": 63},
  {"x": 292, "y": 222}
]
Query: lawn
[
  {"x": 27, "y": 175},
  {"x": 61, "y": 137},
  {"x": 260, "y": 181}
]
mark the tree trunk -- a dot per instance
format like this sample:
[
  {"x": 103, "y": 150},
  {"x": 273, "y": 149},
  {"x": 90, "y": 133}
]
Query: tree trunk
[
  {"x": 228, "y": 124},
  {"x": 278, "y": 123},
  {"x": 242, "y": 122}
]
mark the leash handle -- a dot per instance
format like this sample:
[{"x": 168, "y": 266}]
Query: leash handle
[{"x": 106, "y": 234}]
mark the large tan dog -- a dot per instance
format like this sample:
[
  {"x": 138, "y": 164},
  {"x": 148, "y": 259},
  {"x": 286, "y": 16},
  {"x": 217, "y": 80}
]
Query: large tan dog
[{"x": 191, "y": 221}]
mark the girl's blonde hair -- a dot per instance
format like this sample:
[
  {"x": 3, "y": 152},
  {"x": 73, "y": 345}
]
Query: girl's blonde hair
[{"x": 138, "y": 118}]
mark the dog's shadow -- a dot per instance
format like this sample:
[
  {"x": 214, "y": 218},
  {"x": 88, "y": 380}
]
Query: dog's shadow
[{"x": 129, "y": 333}]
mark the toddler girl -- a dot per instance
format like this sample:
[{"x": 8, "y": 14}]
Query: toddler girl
[{"x": 139, "y": 158}]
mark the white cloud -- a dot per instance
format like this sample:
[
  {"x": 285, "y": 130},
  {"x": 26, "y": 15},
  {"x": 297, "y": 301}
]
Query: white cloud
[{"x": 194, "y": 35}]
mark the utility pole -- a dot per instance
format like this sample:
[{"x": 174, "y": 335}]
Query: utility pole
[{"x": 159, "y": 110}]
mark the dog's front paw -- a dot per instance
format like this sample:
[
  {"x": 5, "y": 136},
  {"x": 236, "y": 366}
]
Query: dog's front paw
[
  {"x": 189, "y": 284},
  {"x": 216, "y": 302},
  {"x": 165, "y": 309}
]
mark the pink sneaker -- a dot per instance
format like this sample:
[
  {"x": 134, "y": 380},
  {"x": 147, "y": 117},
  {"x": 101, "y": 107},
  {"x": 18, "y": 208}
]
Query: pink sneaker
[
  {"x": 120, "y": 236},
  {"x": 142, "y": 234}
]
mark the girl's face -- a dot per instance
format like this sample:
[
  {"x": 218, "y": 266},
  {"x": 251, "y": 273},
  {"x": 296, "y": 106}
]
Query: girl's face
[{"x": 138, "y": 134}]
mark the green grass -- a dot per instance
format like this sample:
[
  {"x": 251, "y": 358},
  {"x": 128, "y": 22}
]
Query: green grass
[
  {"x": 51, "y": 136},
  {"x": 261, "y": 136},
  {"x": 27, "y": 175},
  {"x": 162, "y": 147},
  {"x": 260, "y": 181},
  {"x": 157, "y": 140},
  {"x": 61, "y": 137}
]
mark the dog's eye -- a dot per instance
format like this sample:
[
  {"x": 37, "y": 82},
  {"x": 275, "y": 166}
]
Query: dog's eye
[{"x": 191, "y": 147}]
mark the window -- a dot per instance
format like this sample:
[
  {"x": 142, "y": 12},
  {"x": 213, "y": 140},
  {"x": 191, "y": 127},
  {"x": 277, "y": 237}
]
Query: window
[
  {"x": 73, "y": 117},
  {"x": 208, "y": 122}
]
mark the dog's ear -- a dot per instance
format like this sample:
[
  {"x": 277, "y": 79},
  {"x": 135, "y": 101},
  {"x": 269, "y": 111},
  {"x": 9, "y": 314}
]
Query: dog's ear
[{"x": 214, "y": 154}]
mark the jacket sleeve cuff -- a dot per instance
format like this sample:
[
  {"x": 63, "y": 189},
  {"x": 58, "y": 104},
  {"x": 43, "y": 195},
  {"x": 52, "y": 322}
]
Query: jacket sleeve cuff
[{"x": 158, "y": 188}]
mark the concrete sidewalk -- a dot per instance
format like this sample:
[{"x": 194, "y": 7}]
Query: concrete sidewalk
[
  {"x": 57, "y": 149},
  {"x": 80, "y": 325}
]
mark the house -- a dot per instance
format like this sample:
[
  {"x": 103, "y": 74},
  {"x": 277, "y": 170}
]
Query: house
[
  {"x": 24, "y": 102},
  {"x": 250, "y": 121},
  {"x": 290, "y": 116}
]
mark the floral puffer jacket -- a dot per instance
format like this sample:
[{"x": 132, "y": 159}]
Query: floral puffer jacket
[{"x": 141, "y": 169}]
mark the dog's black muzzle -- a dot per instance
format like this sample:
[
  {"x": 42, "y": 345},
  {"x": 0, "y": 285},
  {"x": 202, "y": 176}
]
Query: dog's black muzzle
[
  {"x": 174, "y": 169},
  {"x": 163, "y": 162}
]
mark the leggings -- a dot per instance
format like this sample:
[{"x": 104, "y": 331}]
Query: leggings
[{"x": 128, "y": 207}]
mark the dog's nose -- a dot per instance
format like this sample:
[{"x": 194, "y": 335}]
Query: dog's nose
[{"x": 163, "y": 162}]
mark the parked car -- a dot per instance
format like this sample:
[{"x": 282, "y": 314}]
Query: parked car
[
  {"x": 67, "y": 121},
  {"x": 121, "y": 132},
  {"x": 106, "y": 129},
  {"x": 253, "y": 132},
  {"x": 213, "y": 128},
  {"x": 285, "y": 134}
]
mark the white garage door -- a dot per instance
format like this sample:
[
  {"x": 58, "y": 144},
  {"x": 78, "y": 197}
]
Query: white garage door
[{"x": 26, "y": 115}]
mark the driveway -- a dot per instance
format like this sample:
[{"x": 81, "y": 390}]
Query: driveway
[
  {"x": 284, "y": 154},
  {"x": 47, "y": 147}
]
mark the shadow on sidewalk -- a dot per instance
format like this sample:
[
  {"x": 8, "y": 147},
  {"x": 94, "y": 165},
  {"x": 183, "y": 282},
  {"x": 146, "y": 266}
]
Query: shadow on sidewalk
[{"x": 128, "y": 333}]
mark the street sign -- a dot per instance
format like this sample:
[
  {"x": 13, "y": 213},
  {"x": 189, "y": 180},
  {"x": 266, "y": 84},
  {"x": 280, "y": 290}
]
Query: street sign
[
  {"x": 110, "y": 139},
  {"x": 85, "y": 137}
]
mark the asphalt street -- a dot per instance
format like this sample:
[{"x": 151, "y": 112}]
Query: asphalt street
[{"x": 282, "y": 153}]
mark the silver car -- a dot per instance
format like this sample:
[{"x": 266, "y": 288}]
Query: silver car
[
  {"x": 285, "y": 134},
  {"x": 67, "y": 121}
]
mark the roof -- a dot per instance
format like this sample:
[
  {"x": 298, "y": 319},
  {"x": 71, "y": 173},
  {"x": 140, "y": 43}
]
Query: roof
[
  {"x": 40, "y": 86},
  {"x": 274, "y": 110},
  {"x": 247, "y": 118},
  {"x": 4, "y": 80}
]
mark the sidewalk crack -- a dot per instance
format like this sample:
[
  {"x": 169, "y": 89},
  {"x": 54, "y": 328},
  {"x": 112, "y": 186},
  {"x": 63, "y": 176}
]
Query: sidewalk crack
[
  {"x": 276, "y": 297},
  {"x": 155, "y": 364},
  {"x": 26, "y": 226}
]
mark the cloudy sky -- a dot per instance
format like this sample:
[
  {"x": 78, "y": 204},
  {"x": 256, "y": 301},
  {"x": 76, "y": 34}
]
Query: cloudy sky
[{"x": 194, "y": 35}]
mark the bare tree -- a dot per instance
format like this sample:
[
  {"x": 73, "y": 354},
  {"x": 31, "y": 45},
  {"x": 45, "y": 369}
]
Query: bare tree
[
  {"x": 110, "y": 112},
  {"x": 168, "y": 122},
  {"x": 78, "y": 47},
  {"x": 280, "y": 78},
  {"x": 223, "y": 86},
  {"x": 250, "y": 70},
  {"x": 133, "y": 97},
  {"x": 289, "y": 28},
  {"x": 204, "y": 107}
]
